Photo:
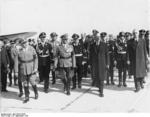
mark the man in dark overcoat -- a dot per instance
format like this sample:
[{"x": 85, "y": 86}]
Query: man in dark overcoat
[
  {"x": 100, "y": 66},
  {"x": 141, "y": 61},
  {"x": 4, "y": 65}
]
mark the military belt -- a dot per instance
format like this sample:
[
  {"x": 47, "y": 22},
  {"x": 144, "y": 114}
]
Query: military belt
[
  {"x": 65, "y": 57},
  {"x": 78, "y": 55},
  {"x": 123, "y": 52},
  {"x": 44, "y": 55},
  {"x": 29, "y": 61}
]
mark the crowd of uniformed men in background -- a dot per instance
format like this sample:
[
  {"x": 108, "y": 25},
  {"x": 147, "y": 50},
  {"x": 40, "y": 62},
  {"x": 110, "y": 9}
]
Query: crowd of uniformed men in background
[{"x": 72, "y": 59}]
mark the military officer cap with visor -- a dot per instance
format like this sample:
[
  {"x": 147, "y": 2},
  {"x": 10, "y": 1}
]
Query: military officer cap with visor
[{"x": 53, "y": 34}]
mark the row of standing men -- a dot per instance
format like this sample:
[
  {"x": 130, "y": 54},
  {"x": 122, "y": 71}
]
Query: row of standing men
[{"x": 128, "y": 52}]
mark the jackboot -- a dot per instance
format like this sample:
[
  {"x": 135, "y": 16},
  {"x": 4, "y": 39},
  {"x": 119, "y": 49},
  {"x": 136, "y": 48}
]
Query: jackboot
[
  {"x": 35, "y": 91},
  {"x": 26, "y": 90}
]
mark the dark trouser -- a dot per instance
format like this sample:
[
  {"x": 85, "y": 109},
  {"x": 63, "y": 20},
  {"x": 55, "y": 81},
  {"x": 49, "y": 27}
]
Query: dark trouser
[
  {"x": 53, "y": 77},
  {"x": 101, "y": 86},
  {"x": 77, "y": 75},
  {"x": 122, "y": 68},
  {"x": 20, "y": 84},
  {"x": 4, "y": 80},
  {"x": 67, "y": 79},
  {"x": 120, "y": 76},
  {"x": 44, "y": 74},
  {"x": 85, "y": 69},
  {"x": 10, "y": 77},
  {"x": 110, "y": 74}
]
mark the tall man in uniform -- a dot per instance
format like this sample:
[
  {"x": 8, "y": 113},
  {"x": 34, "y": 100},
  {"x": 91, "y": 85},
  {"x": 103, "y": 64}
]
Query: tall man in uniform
[
  {"x": 44, "y": 50},
  {"x": 141, "y": 61},
  {"x": 12, "y": 54},
  {"x": 78, "y": 49},
  {"x": 27, "y": 61},
  {"x": 65, "y": 60},
  {"x": 122, "y": 59},
  {"x": 54, "y": 43},
  {"x": 92, "y": 53},
  {"x": 100, "y": 58},
  {"x": 112, "y": 59}
]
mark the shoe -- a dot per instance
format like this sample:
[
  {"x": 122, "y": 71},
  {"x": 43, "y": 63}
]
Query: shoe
[
  {"x": 79, "y": 86},
  {"x": 10, "y": 84},
  {"x": 119, "y": 85},
  {"x": 101, "y": 95},
  {"x": 26, "y": 100},
  {"x": 113, "y": 83},
  {"x": 68, "y": 92},
  {"x": 137, "y": 90},
  {"x": 53, "y": 82},
  {"x": 46, "y": 90},
  {"x": 124, "y": 84},
  {"x": 142, "y": 86},
  {"x": 15, "y": 84},
  {"x": 20, "y": 94},
  {"x": 4, "y": 90},
  {"x": 36, "y": 96},
  {"x": 74, "y": 87}
]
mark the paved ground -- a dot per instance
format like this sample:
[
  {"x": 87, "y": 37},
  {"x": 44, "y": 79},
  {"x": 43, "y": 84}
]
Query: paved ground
[{"x": 81, "y": 100}]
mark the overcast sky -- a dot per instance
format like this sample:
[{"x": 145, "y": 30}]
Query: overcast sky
[{"x": 72, "y": 16}]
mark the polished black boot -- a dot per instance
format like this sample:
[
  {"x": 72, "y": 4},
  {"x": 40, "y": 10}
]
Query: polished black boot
[
  {"x": 35, "y": 91},
  {"x": 26, "y": 90},
  {"x": 74, "y": 82},
  {"x": 20, "y": 94},
  {"x": 53, "y": 78},
  {"x": 65, "y": 84},
  {"x": 141, "y": 83},
  {"x": 101, "y": 92},
  {"x": 120, "y": 80},
  {"x": 68, "y": 87},
  {"x": 20, "y": 89}
]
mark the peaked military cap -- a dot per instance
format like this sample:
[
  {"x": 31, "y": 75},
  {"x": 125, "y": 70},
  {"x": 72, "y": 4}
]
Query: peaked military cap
[
  {"x": 103, "y": 34},
  {"x": 42, "y": 35},
  {"x": 75, "y": 36},
  {"x": 53, "y": 34},
  {"x": 95, "y": 31}
]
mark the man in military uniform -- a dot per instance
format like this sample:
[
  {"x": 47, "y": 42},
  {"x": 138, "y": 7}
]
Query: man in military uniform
[
  {"x": 122, "y": 58},
  {"x": 112, "y": 58},
  {"x": 65, "y": 60},
  {"x": 54, "y": 43},
  {"x": 78, "y": 49},
  {"x": 44, "y": 50},
  {"x": 26, "y": 63},
  {"x": 141, "y": 61},
  {"x": 86, "y": 66},
  {"x": 12, "y": 53},
  {"x": 4, "y": 66},
  {"x": 99, "y": 56},
  {"x": 92, "y": 62}
]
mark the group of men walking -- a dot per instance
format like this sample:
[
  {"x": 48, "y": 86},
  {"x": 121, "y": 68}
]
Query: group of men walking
[{"x": 71, "y": 60}]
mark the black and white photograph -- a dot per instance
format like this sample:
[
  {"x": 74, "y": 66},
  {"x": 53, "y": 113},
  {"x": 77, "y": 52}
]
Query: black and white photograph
[{"x": 74, "y": 56}]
